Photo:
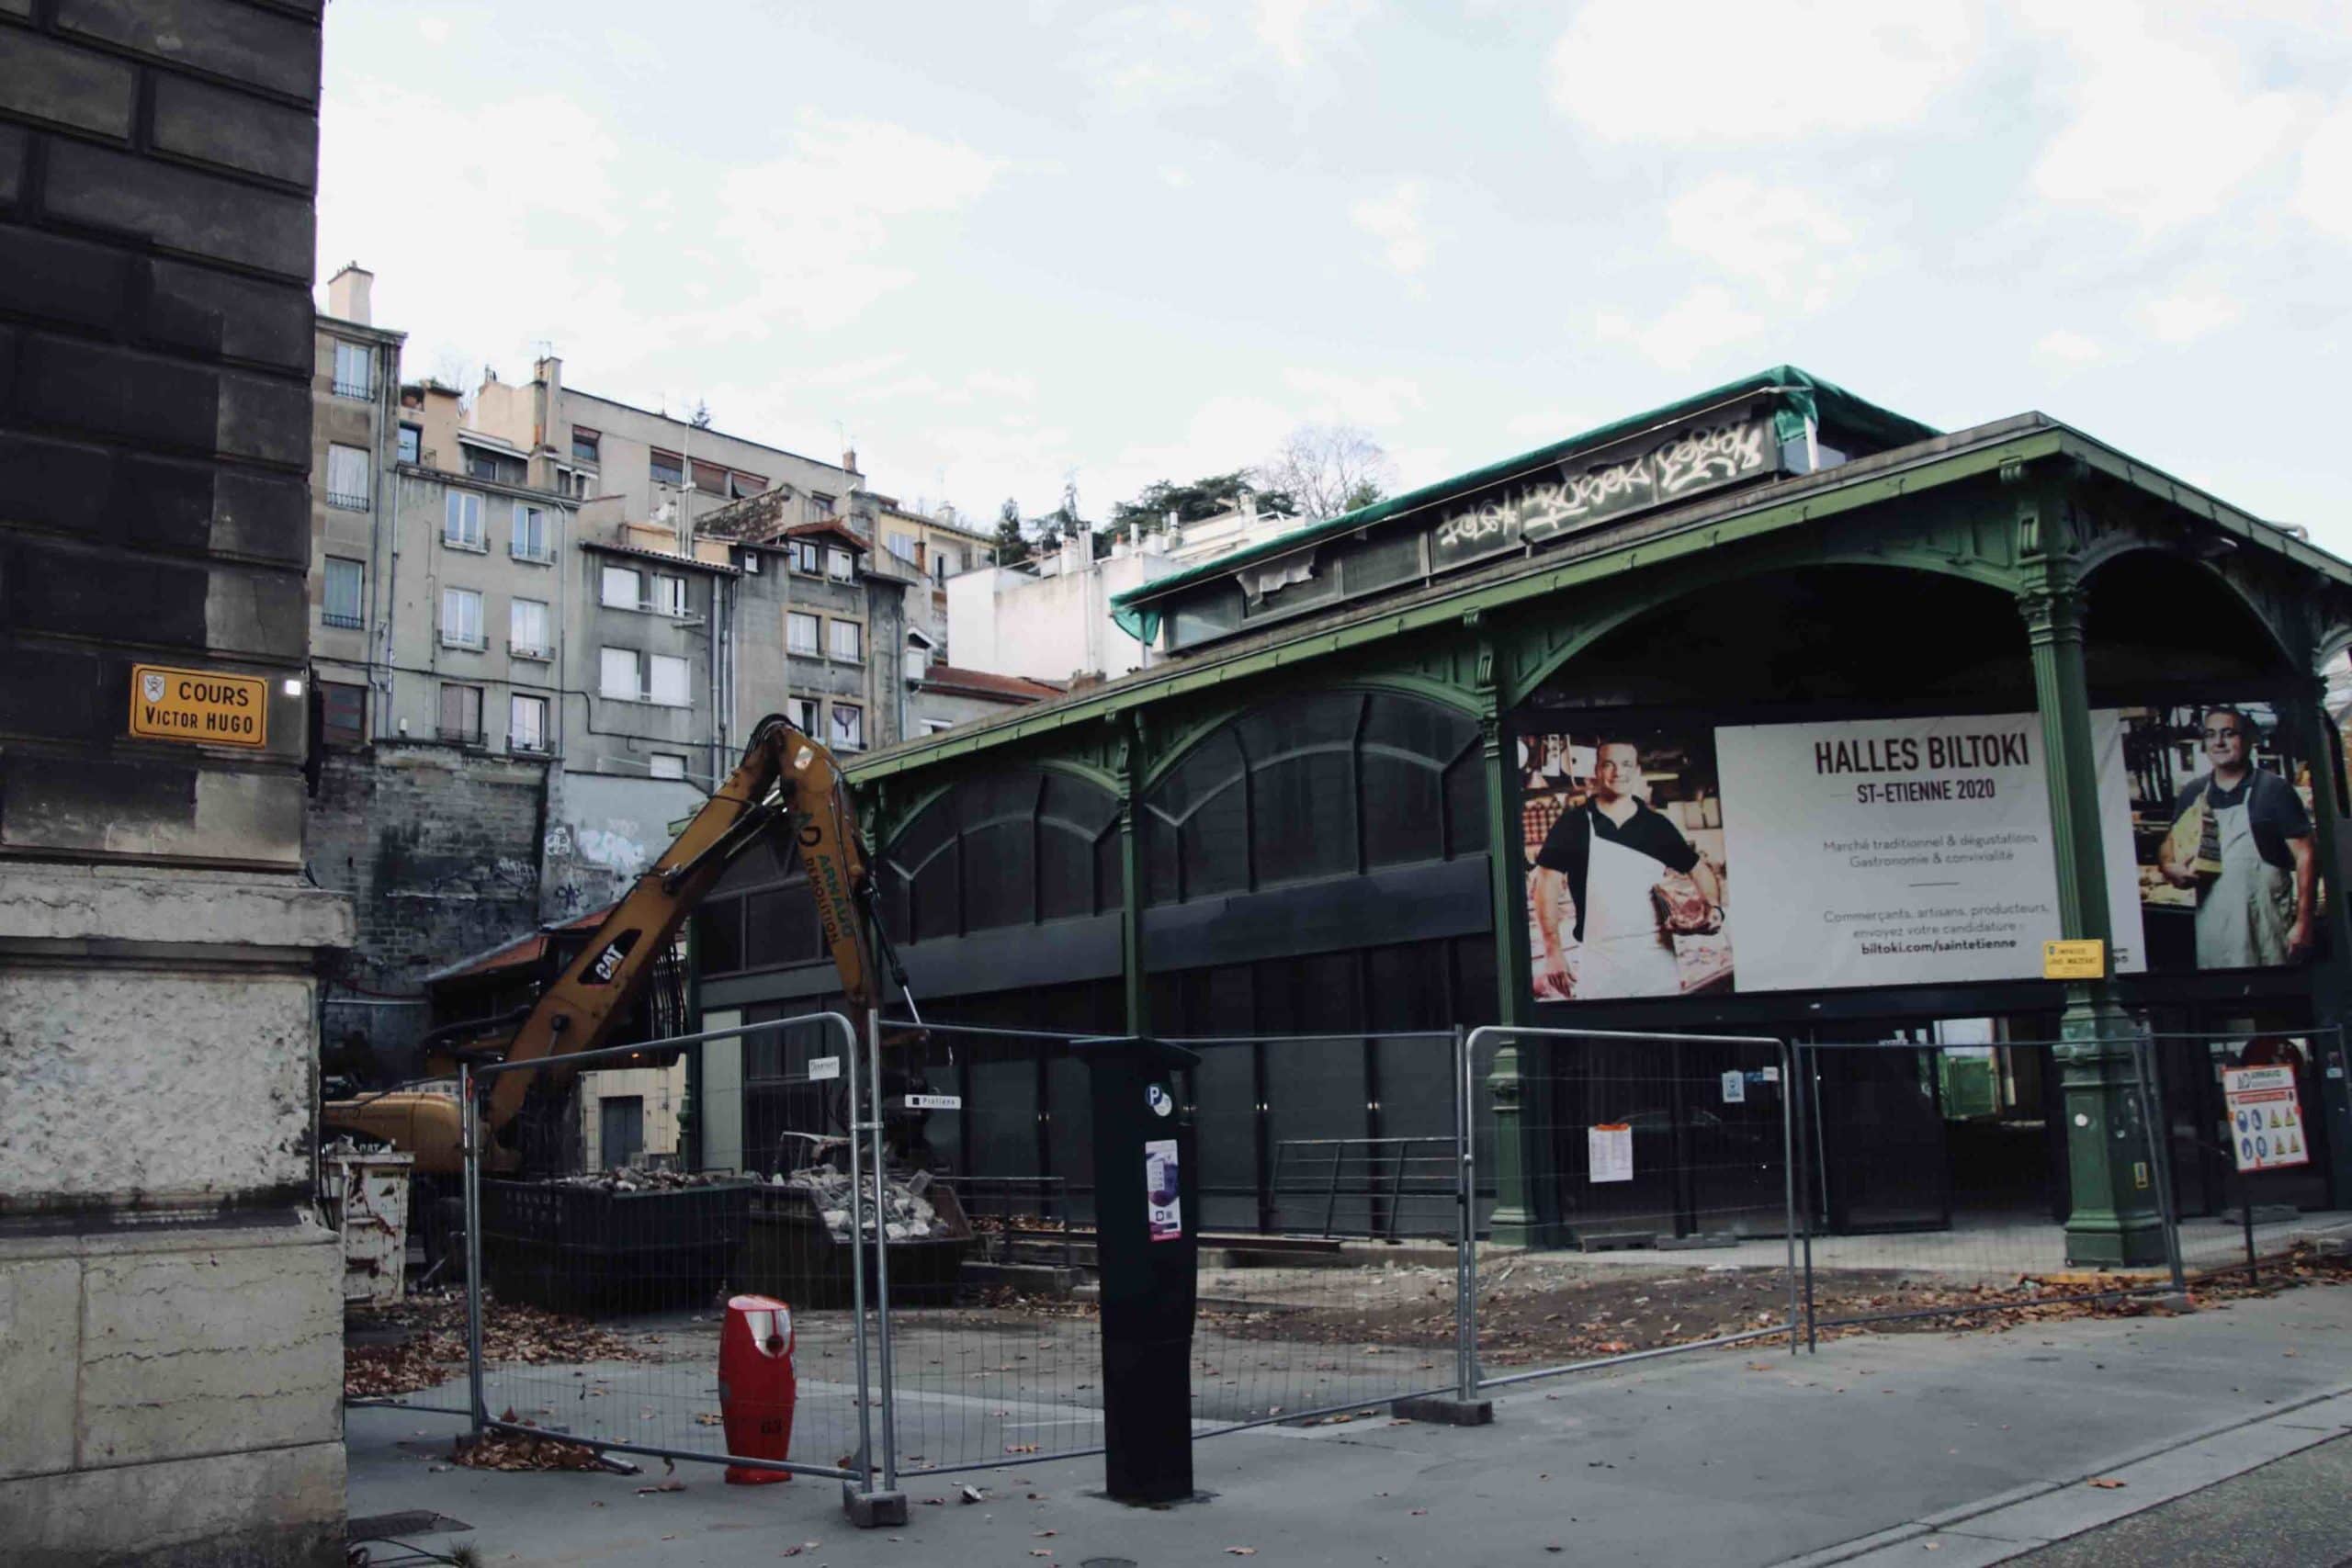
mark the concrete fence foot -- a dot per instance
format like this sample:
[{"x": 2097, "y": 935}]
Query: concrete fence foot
[
  {"x": 1445, "y": 1410},
  {"x": 875, "y": 1510}
]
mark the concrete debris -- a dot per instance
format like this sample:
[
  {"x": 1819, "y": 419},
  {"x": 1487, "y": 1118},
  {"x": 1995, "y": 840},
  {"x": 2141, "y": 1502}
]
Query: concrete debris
[
  {"x": 907, "y": 1214},
  {"x": 635, "y": 1178}
]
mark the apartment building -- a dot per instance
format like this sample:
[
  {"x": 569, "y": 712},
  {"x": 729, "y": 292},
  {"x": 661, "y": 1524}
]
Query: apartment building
[
  {"x": 354, "y": 385},
  {"x": 934, "y": 549}
]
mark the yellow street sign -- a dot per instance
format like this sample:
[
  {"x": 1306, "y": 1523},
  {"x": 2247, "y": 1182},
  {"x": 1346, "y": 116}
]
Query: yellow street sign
[
  {"x": 2084, "y": 959},
  {"x": 202, "y": 707}
]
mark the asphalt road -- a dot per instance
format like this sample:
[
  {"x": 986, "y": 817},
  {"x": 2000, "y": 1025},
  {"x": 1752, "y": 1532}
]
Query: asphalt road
[{"x": 2296, "y": 1510}]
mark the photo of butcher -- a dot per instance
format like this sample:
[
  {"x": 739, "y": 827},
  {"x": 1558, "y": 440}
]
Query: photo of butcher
[
  {"x": 1623, "y": 903},
  {"x": 2241, "y": 838}
]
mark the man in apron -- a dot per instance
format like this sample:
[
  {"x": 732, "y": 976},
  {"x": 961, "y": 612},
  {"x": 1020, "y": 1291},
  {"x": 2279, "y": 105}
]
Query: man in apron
[
  {"x": 2257, "y": 910},
  {"x": 1610, "y": 852}
]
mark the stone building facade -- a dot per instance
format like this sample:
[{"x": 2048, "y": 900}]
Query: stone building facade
[{"x": 172, "y": 1354}]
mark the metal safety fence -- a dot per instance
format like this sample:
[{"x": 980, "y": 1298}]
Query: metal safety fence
[
  {"x": 1637, "y": 1193},
  {"x": 1382, "y": 1217}
]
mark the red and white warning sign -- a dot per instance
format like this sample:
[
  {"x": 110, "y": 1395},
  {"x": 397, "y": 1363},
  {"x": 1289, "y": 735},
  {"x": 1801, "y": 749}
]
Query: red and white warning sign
[{"x": 2265, "y": 1118}]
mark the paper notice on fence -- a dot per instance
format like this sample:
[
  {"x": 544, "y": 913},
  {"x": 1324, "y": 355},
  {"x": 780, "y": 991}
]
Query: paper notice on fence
[
  {"x": 2265, "y": 1118},
  {"x": 1609, "y": 1152}
]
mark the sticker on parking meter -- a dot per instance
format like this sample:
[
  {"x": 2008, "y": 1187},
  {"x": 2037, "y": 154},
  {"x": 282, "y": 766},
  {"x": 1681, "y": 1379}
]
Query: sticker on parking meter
[
  {"x": 1166, "y": 1209},
  {"x": 1735, "y": 1088},
  {"x": 1158, "y": 1099}
]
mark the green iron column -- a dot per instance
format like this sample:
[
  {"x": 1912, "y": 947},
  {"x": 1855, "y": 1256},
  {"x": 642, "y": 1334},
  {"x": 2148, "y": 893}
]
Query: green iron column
[
  {"x": 1519, "y": 1159},
  {"x": 2115, "y": 1220}
]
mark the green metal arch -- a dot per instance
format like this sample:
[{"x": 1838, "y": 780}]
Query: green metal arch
[
  {"x": 1084, "y": 771},
  {"x": 1978, "y": 570},
  {"x": 2288, "y": 654},
  {"x": 1194, "y": 734}
]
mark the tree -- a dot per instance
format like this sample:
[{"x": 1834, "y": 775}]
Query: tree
[
  {"x": 1329, "y": 469},
  {"x": 1010, "y": 544},
  {"x": 1204, "y": 497}
]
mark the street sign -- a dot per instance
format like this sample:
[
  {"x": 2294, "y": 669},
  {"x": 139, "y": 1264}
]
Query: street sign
[
  {"x": 198, "y": 707},
  {"x": 934, "y": 1102},
  {"x": 2082, "y": 959},
  {"x": 2265, "y": 1118}
]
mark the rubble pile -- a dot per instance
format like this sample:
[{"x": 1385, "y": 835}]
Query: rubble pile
[
  {"x": 637, "y": 1179},
  {"x": 908, "y": 1215}
]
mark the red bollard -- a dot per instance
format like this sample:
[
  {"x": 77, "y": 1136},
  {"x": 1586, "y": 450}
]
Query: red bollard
[{"x": 757, "y": 1388}]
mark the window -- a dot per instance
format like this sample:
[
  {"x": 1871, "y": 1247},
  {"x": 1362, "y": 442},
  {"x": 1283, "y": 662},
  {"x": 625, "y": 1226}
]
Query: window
[
  {"x": 667, "y": 765},
  {"x": 669, "y": 469},
  {"x": 528, "y": 726},
  {"x": 849, "y": 727},
  {"x": 461, "y": 521},
  {"x": 623, "y": 589},
  {"x": 411, "y": 444},
  {"x": 347, "y": 478},
  {"x": 820, "y": 503},
  {"x": 799, "y": 632},
  {"x": 343, "y": 711},
  {"x": 461, "y": 715},
  {"x": 526, "y": 629},
  {"x": 944, "y": 564},
  {"x": 741, "y": 485},
  {"x": 905, "y": 546},
  {"x": 669, "y": 685},
  {"x": 585, "y": 444},
  {"x": 670, "y": 594},
  {"x": 344, "y": 579},
  {"x": 840, "y": 565},
  {"x": 502, "y": 468},
  {"x": 618, "y": 675},
  {"x": 803, "y": 714},
  {"x": 808, "y": 558},
  {"x": 710, "y": 479},
  {"x": 354, "y": 366},
  {"x": 530, "y": 538},
  {"x": 849, "y": 641},
  {"x": 460, "y": 618}
]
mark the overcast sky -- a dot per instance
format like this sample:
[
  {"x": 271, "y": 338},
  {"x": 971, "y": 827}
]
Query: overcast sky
[{"x": 996, "y": 248}]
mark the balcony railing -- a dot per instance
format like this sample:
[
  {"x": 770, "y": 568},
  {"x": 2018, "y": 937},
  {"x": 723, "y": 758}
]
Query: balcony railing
[
  {"x": 529, "y": 650},
  {"x": 363, "y": 391},
  {"x": 337, "y": 618},
  {"x": 459, "y": 736},
  {"x": 536, "y": 745},
  {"x": 459, "y": 640},
  {"x": 348, "y": 500}
]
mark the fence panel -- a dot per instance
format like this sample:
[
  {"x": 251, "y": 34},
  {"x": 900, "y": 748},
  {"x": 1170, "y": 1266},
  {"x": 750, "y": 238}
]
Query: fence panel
[
  {"x": 608, "y": 1232},
  {"x": 1343, "y": 1296},
  {"x": 1642, "y": 1196},
  {"x": 1945, "y": 1180},
  {"x": 2249, "y": 1171}
]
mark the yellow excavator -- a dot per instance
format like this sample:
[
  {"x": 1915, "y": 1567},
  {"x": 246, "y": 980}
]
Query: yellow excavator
[{"x": 787, "y": 785}]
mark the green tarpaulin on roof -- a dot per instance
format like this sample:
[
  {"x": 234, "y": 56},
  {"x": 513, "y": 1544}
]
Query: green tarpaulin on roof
[{"x": 1802, "y": 398}]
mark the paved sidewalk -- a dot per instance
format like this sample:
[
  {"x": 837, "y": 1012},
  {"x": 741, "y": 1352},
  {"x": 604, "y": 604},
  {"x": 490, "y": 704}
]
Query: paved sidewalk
[
  {"x": 2289, "y": 1511},
  {"x": 1741, "y": 1457}
]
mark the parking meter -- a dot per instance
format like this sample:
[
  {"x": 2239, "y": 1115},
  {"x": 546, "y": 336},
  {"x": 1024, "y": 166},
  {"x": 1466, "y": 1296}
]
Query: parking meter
[{"x": 1146, "y": 1239}]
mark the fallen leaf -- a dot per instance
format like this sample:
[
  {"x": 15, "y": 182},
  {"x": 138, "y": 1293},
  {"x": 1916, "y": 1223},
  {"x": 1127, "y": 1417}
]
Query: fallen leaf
[
  {"x": 672, "y": 1485},
  {"x": 708, "y": 1419},
  {"x": 1241, "y": 1551},
  {"x": 1420, "y": 1511},
  {"x": 2108, "y": 1483},
  {"x": 1043, "y": 1534},
  {"x": 1021, "y": 1447}
]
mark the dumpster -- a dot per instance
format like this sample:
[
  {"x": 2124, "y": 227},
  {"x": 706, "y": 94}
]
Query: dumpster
[
  {"x": 792, "y": 1251},
  {"x": 571, "y": 1246}
]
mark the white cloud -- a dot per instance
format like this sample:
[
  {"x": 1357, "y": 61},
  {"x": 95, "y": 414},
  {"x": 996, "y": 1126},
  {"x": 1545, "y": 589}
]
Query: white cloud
[
  {"x": 1794, "y": 244},
  {"x": 1175, "y": 178},
  {"x": 1705, "y": 320},
  {"x": 1395, "y": 220},
  {"x": 2323, "y": 195},
  {"x": 1297, "y": 31},
  {"x": 2185, "y": 317},
  {"x": 2066, "y": 346},
  {"x": 1549, "y": 424},
  {"x": 1710, "y": 71},
  {"x": 1333, "y": 399},
  {"x": 814, "y": 226},
  {"x": 2164, "y": 131},
  {"x": 435, "y": 30}
]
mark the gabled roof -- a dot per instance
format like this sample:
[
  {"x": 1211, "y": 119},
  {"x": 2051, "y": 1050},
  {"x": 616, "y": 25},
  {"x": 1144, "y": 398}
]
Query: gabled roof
[
  {"x": 830, "y": 526},
  {"x": 1802, "y": 398},
  {"x": 988, "y": 683}
]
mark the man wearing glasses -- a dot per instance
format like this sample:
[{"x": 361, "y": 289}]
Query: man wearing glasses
[{"x": 2257, "y": 910}]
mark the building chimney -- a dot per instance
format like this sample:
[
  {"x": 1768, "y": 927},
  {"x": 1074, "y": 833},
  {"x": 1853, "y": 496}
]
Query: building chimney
[
  {"x": 349, "y": 295},
  {"x": 849, "y": 459}
]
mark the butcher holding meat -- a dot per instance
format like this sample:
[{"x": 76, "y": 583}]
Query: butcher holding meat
[{"x": 1613, "y": 851}]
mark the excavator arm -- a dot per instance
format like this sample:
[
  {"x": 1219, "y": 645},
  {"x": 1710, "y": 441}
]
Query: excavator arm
[{"x": 786, "y": 783}]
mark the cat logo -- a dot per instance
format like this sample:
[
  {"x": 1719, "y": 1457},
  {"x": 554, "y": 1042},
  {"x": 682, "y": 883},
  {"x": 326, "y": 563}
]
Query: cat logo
[{"x": 608, "y": 963}]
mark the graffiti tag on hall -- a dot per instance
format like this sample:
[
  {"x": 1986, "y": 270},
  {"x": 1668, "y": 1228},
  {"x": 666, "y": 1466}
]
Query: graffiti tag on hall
[{"x": 1688, "y": 462}]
